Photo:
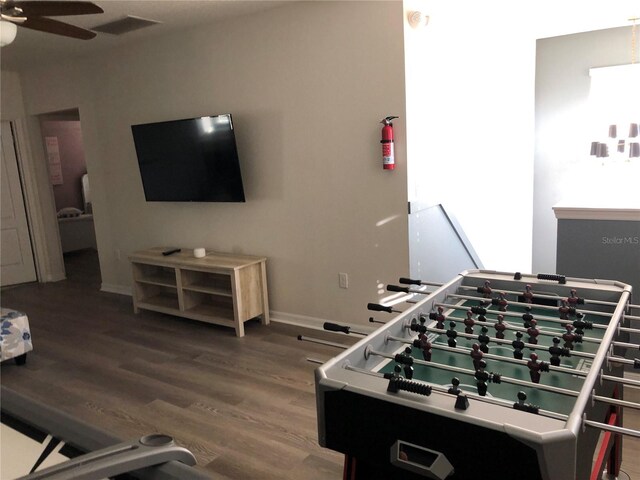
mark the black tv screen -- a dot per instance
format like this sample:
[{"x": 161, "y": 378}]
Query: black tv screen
[{"x": 192, "y": 160}]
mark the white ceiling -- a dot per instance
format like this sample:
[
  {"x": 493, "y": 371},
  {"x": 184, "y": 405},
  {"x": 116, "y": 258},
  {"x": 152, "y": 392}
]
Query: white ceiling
[
  {"x": 35, "y": 48},
  {"x": 544, "y": 17}
]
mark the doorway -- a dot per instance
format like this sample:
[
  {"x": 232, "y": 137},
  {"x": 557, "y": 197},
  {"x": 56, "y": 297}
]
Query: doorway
[
  {"x": 71, "y": 185},
  {"x": 16, "y": 252}
]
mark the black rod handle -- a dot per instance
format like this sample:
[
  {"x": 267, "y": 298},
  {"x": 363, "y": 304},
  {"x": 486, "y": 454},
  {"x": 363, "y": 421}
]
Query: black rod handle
[
  {"x": 409, "y": 281},
  {"x": 552, "y": 276},
  {"x": 396, "y": 288},
  {"x": 334, "y": 327},
  {"x": 376, "y": 307}
]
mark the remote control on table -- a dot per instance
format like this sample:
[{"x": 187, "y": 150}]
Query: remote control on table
[{"x": 170, "y": 252}]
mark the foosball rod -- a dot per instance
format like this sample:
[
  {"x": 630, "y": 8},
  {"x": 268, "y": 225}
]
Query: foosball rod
[
  {"x": 523, "y": 304},
  {"x": 395, "y": 288},
  {"x": 615, "y": 401},
  {"x": 624, "y": 381},
  {"x": 445, "y": 390},
  {"x": 499, "y": 341},
  {"x": 514, "y": 381},
  {"x": 511, "y": 327},
  {"x": 315, "y": 360},
  {"x": 612, "y": 428},
  {"x": 501, "y": 358},
  {"x": 536, "y": 346},
  {"x": 409, "y": 281},
  {"x": 503, "y": 341},
  {"x": 542, "y": 295},
  {"x": 595, "y": 326},
  {"x": 319, "y": 341},
  {"x": 334, "y": 327}
]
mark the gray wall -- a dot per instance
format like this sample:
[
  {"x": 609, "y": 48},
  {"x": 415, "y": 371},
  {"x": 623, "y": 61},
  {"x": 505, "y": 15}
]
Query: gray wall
[
  {"x": 562, "y": 148},
  {"x": 306, "y": 88}
]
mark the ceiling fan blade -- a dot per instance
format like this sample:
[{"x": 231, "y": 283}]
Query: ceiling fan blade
[
  {"x": 54, "y": 9},
  {"x": 59, "y": 28}
]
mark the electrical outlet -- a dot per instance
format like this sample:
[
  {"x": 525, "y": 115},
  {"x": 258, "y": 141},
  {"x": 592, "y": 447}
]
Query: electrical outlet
[{"x": 343, "y": 280}]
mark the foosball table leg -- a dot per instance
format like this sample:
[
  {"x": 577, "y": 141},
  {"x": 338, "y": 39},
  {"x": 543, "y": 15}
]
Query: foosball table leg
[
  {"x": 349, "y": 472},
  {"x": 611, "y": 447},
  {"x": 615, "y": 454}
]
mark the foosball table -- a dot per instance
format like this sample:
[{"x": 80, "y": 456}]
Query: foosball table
[{"x": 489, "y": 376}]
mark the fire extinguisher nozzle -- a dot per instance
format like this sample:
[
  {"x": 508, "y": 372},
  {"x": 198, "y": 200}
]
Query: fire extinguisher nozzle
[{"x": 387, "y": 120}]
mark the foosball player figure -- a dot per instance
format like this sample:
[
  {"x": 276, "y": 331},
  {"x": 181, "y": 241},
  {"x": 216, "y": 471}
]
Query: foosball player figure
[
  {"x": 455, "y": 383},
  {"x": 528, "y": 294},
  {"x": 502, "y": 302},
  {"x": 527, "y": 317},
  {"x": 556, "y": 352},
  {"x": 481, "y": 377},
  {"x": 423, "y": 344},
  {"x": 581, "y": 325},
  {"x": 525, "y": 407},
  {"x": 484, "y": 339},
  {"x": 533, "y": 331},
  {"x": 476, "y": 355},
  {"x": 439, "y": 318},
  {"x": 408, "y": 363},
  {"x": 569, "y": 337},
  {"x": 469, "y": 322},
  {"x": 573, "y": 300},
  {"x": 462, "y": 402},
  {"x": 452, "y": 334},
  {"x": 536, "y": 367},
  {"x": 500, "y": 327},
  {"x": 518, "y": 346},
  {"x": 564, "y": 310},
  {"x": 486, "y": 289}
]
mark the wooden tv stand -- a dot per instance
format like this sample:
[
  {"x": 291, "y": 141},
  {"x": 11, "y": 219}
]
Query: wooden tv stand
[{"x": 219, "y": 288}]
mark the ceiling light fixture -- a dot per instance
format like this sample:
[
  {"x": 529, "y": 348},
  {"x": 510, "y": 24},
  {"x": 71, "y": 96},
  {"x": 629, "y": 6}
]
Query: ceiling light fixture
[
  {"x": 418, "y": 19},
  {"x": 7, "y": 33},
  {"x": 601, "y": 149}
]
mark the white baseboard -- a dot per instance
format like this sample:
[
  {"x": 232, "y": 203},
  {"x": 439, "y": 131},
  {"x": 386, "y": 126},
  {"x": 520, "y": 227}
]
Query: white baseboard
[
  {"x": 119, "y": 289},
  {"x": 54, "y": 277}
]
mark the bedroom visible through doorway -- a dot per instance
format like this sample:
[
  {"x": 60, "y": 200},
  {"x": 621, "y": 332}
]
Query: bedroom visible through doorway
[{"x": 71, "y": 186}]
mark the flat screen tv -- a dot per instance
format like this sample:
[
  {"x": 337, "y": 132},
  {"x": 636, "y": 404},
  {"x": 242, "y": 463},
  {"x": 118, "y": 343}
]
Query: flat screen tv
[{"x": 192, "y": 160}]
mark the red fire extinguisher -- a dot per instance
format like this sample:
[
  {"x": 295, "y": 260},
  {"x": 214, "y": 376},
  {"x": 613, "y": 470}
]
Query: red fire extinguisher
[{"x": 388, "y": 157}]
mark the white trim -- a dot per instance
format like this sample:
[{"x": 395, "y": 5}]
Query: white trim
[
  {"x": 119, "y": 289},
  {"x": 587, "y": 213},
  {"x": 312, "y": 323},
  {"x": 32, "y": 203},
  {"x": 615, "y": 70}
]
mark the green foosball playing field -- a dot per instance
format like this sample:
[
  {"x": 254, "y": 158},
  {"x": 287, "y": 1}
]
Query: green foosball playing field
[{"x": 567, "y": 379}]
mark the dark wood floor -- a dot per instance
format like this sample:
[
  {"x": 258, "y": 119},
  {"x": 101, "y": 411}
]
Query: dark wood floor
[{"x": 245, "y": 407}]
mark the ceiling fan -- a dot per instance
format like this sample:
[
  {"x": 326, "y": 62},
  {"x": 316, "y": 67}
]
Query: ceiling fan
[{"x": 33, "y": 15}]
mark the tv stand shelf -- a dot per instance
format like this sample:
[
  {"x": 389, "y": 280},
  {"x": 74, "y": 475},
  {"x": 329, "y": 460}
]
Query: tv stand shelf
[{"x": 221, "y": 288}]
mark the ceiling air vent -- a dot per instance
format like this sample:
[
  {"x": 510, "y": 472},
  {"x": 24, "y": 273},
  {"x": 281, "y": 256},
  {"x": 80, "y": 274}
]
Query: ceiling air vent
[{"x": 124, "y": 25}]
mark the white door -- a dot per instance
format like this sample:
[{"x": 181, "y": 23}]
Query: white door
[{"x": 16, "y": 254}]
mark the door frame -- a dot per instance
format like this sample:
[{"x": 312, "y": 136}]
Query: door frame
[{"x": 33, "y": 203}]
